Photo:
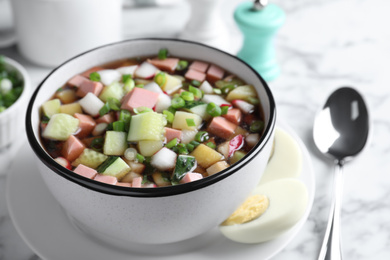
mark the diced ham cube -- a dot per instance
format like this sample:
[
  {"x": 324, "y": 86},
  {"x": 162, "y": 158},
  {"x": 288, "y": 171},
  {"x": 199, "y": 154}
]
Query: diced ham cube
[
  {"x": 171, "y": 134},
  {"x": 107, "y": 118},
  {"x": 123, "y": 184},
  {"x": 77, "y": 80},
  {"x": 88, "y": 72},
  {"x": 221, "y": 127},
  {"x": 89, "y": 86},
  {"x": 139, "y": 97},
  {"x": 168, "y": 64},
  {"x": 106, "y": 179},
  {"x": 85, "y": 171},
  {"x": 72, "y": 148},
  {"x": 234, "y": 115},
  {"x": 214, "y": 73},
  {"x": 195, "y": 75},
  {"x": 86, "y": 125},
  {"x": 191, "y": 176},
  {"x": 137, "y": 182},
  {"x": 199, "y": 66}
]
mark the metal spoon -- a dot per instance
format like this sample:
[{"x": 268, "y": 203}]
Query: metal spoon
[{"x": 340, "y": 132}]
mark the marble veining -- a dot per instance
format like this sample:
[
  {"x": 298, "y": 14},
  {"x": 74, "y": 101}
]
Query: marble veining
[{"x": 323, "y": 45}]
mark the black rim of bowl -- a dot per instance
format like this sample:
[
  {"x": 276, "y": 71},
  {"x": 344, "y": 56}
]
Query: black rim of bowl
[{"x": 147, "y": 192}]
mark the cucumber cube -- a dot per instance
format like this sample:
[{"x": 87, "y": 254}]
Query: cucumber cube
[
  {"x": 147, "y": 126},
  {"x": 115, "y": 143},
  {"x": 115, "y": 90},
  {"x": 51, "y": 107},
  {"x": 90, "y": 158},
  {"x": 114, "y": 166},
  {"x": 148, "y": 148},
  {"x": 60, "y": 127},
  {"x": 200, "y": 110}
]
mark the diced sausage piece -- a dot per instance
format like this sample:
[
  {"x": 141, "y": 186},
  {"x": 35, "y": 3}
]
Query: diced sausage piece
[
  {"x": 85, "y": 171},
  {"x": 199, "y": 66},
  {"x": 139, "y": 97},
  {"x": 221, "y": 127},
  {"x": 191, "y": 176},
  {"x": 106, "y": 179},
  {"x": 171, "y": 134},
  {"x": 234, "y": 115},
  {"x": 89, "y": 86},
  {"x": 168, "y": 64},
  {"x": 87, "y": 124},
  {"x": 107, "y": 118},
  {"x": 195, "y": 75},
  {"x": 214, "y": 73},
  {"x": 137, "y": 182},
  {"x": 77, "y": 80},
  {"x": 217, "y": 167},
  {"x": 88, "y": 72},
  {"x": 123, "y": 184},
  {"x": 72, "y": 148}
]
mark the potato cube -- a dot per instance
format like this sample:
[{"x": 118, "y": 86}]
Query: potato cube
[
  {"x": 206, "y": 156},
  {"x": 71, "y": 109},
  {"x": 217, "y": 167},
  {"x": 183, "y": 121},
  {"x": 148, "y": 148}
]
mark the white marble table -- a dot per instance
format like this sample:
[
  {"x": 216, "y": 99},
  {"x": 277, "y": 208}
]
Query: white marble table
[{"x": 323, "y": 45}]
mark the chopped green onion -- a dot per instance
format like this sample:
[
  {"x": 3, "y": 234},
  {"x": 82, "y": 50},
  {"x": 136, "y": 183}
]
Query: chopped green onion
[
  {"x": 125, "y": 116},
  {"x": 97, "y": 144},
  {"x": 177, "y": 103},
  {"x": 119, "y": 126},
  {"x": 213, "y": 110},
  {"x": 172, "y": 143},
  {"x": 187, "y": 96},
  {"x": 182, "y": 65},
  {"x": 94, "y": 76},
  {"x": 211, "y": 145},
  {"x": 256, "y": 126},
  {"x": 224, "y": 110},
  {"x": 217, "y": 91},
  {"x": 172, "y": 110},
  {"x": 114, "y": 103},
  {"x": 197, "y": 92},
  {"x": 110, "y": 127},
  {"x": 253, "y": 100},
  {"x": 226, "y": 89},
  {"x": 194, "y": 143},
  {"x": 126, "y": 77},
  {"x": 139, "y": 86},
  {"x": 162, "y": 54},
  {"x": 130, "y": 154},
  {"x": 183, "y": 150},
  {"x": 196, "y": 83},
  {"x": 169, "y": 116},
  {"x": 105, "y": 109},
  {"x": 202, "y": 136},
  {"x": 140, "y": 110},
  {"x": 45, "y": 119},
  {"x": 190, "y": 122},
  {"x": 190, "y": 147},
  {"x": 160, "y": 79},
  {"x": 145, "y": 179},
  {"x": 140, "y": 158},
  {"x": 129, "y": 84}
]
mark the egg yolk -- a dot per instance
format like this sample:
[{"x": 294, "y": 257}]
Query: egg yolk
[{"x": 252, "y": 208}]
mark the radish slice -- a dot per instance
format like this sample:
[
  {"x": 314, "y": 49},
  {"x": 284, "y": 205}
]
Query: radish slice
[
  {"x": 216, "y": 99},
  {"x": 164, "y": 101},
  {"x": 127, "y": 70},
  {"x": 164, "y": 160},
  {"x": 245, "y": 107},
  {"x": 107, "y": 77},
  {"x": 63, "y": 162},
  {"x": 252, "y": 139},
  {"x": 206, "y": 87},
  {"x": 145, "y": 71},
  {"x": 91, "y": 104},
  {"x": 152, "y": 86}
]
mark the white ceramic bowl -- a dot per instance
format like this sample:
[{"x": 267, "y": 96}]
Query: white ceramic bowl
[
  {"x": 151, "y": 215},
  {"x": 12, "y": 119}
]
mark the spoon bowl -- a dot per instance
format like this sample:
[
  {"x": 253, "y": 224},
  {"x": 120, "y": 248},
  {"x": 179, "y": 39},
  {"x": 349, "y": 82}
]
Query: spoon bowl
[{"x": 340, "y": 132}]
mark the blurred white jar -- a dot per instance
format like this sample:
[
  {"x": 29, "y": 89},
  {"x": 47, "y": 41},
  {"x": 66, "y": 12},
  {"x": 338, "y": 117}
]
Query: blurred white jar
[{"x": 49, "y": 32}]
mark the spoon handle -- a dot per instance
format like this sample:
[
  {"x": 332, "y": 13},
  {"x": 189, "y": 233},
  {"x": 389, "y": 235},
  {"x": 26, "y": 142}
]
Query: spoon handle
[{"x": 331, "y": 248}]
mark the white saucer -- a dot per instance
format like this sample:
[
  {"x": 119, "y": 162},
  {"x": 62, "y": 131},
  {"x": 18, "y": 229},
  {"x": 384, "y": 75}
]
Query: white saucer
[{"x": 44, "y": 226}]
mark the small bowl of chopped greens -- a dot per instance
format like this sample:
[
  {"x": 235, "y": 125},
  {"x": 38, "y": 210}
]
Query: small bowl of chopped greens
[{"x": 14, "y": 86}]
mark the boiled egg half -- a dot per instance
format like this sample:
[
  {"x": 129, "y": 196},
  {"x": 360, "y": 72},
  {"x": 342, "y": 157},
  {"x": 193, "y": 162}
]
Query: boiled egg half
[{"x": 272, "y": 209}]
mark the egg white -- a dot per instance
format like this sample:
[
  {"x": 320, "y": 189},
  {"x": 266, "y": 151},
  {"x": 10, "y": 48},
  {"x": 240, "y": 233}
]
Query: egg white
[
  {"x": 288, "y": 200},
  {"x": 286, "y": 160}
]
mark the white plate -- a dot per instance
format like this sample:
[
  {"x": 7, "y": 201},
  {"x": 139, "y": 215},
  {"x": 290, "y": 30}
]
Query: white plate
[{"x": 49, "y": 232}]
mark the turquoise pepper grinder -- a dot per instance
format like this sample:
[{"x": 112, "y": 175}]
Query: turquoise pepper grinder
[{"x": 259, "y": 22}]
